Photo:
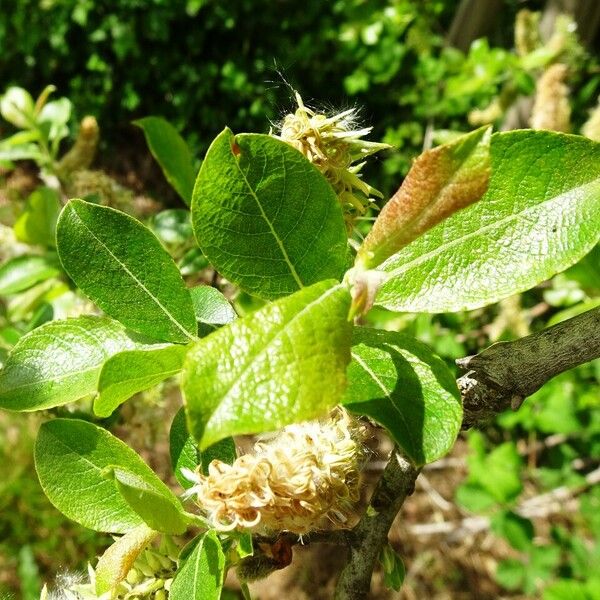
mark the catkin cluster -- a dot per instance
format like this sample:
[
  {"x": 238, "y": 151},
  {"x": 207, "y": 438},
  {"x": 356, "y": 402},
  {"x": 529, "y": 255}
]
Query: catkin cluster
[
  {"x": 335, "y": 146},
  {"x": 305, "y": 478}
]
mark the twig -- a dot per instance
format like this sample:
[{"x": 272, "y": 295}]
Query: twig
[
  {"x": 370, "y": 535},
  {"x": 503, "y": 375},
  {"x": 506, "y": 373}
]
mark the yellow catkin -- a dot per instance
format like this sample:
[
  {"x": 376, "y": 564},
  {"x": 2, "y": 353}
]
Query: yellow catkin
[
  {"x": 527, "y": 32},
  {"x": 305, "y": 478},
  {"x": 335, "y": 146},
  {"x": 83, "y": 152},
  {"x": 551, "y": 109}
]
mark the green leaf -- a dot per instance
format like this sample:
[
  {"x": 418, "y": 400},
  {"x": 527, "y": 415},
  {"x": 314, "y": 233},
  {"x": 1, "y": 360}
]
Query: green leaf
[
  {"x": 566, "y": 589},
  {"x": 185, "y": 454},
  {"x": 211, "y": 306},
  {"x": 400, "y": 383},
  {"x": 120, "y": 265},
  {"x": 281, "y": 364},
  {"x": 118, "y": 559},
  {"x": 60, "y": 362},
  {"x": 511, "y": 573},
  {"x": 516, "y": 530},
  {"x": 71, "y": 460},
  {"x": 541, "y": 214},
  {"x": 22, "y": 272},
  {"x": 182, "y": 449},
  {"x": 172, "y": 154},
  {"x": 173, "y": 226},
  {"x": 37, "y": 223},
  {"x": 394, "y": 571},
  {"x": 17, "y": 107},
  {"x": 440, "y": 182},
  {"x": 265, "y": 217},
  {"x": 151, "y": 499},
  {"x": 201, "y": 577},
  {"x": 133, "y": 371}
]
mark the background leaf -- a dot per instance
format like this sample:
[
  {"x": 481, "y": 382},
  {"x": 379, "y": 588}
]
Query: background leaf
[
  {"x": 540, "y": 215},
  {"x": 171, "y": 153},
  {"x": 60, "y": 362},
  {"x": 23, "y": 272},
  {"x": 201, "y": 577},
  {"x": 71, "y": 460},
  {"x": 37, "y": 223},
  {"x": 283, "y": 363},
  {"x": 265, "y": 217},
  {"x": 400, "y": 383},
  {"x": 440, "y": 182},
  {"x": 126, "y": 271},
  {"x": 133, "y": 371}
]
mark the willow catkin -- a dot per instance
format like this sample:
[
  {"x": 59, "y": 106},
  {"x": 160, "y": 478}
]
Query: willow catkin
[
  {"x": 306, "y": 478},
  {"x": 335, "y": 146},
  {"x": 551, "y": 109}
]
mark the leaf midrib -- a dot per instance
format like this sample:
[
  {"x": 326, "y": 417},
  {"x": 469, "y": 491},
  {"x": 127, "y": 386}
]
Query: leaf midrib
[
  {"x": 256, "y": 357},
  {"x": 388, "y": 395},
  {"x": 514, "y": 216},
  {"x": 279, "y": 241},
  {"x": 141, "y": 285}
]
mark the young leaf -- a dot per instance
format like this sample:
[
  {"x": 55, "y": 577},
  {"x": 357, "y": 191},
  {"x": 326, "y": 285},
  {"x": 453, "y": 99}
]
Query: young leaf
[
  {"x": 283, "y": 363},
  {"x": 265, "y": 217},
  {"x": 211, "y": 306},
  {"x": 60, "y": 362},
  {"x": 440, "y": 182},
  {"x": 201, "y": 577},
  {"x": 185, "y": 454},
  {"x": 401, "y": 384},
  {"x": 23, "y": 272},
  {"x": 117, "y": 561},
  {"x": 133, "y": 371},
  {"x": 71, "y": 460},
  {"x": 540, "y": 215},
  {"x": 172, "y": 154},
  {"x": 126, "y": 271},
  {"x": 151, "y": 499}
]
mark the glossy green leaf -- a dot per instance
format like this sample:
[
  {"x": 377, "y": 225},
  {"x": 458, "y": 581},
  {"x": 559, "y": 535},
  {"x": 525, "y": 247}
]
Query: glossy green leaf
[
  {"x": 72, "y": 458},
  {"x": 23, "y": 272},
  {"x": 540, "y": 215},
  {"x": 151, "y": 499},
  {"x": 118, "y": 559},
  {"x": 133, "y": 371},
  {"x": 185, "y": 454},
  {"x": 37, "y": 223},
  {"x": 120, "y": 265},
  {"x": 60, "y": 362},
  {"x": 265, "y": 217},
  {"x": 201, "y": 577},
  {"x": 281, "y": 364},
  {"x": 171, "y": 153},
  {"x": 400, "y": 383},
  {"x": 440, "y": 182},
  {"x": 17, "y": 107},
  {"x": 211, "y": 306}
]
